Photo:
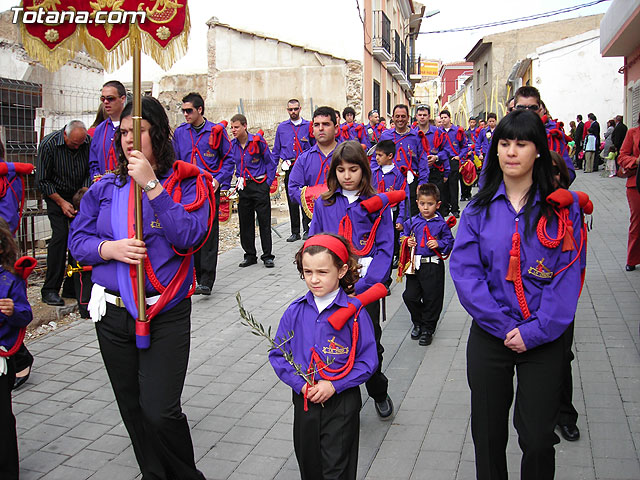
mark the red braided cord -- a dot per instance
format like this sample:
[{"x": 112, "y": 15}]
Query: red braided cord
[
  {"x": 345, "y": 229},
  {"x": 16, "y": 346},
  {"x": 517, "y": 281},
  {"x": 543, "y": 235}
]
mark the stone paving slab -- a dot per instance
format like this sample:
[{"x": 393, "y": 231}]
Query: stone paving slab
[{"x": 241, "y": 416}]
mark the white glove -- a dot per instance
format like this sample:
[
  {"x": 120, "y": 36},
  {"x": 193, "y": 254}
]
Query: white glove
[
  {"x": 410, "y": 177},
  {"x": 364, "y": 262},
  {"x": 286, "y": 165},
  {"x": 98, "y": 303},
  {"x": 3, "y": 363},
  {"x": 240, "y": 184}
]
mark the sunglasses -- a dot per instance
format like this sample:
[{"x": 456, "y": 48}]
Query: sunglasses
[
  {"x": 108, "y": 99},
  {"x": 293, "y": 109},
  {"x": 534, "y": 108},
  {"x": 187, "y": 111}
]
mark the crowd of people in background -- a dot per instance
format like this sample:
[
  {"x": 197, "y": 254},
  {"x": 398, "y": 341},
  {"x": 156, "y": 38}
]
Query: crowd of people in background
[{"x": 366, "y": 200}]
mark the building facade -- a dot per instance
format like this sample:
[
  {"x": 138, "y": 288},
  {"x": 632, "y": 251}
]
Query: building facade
[
  {"x": 619, "y": 37},
  {"x": 390, "y": 66}
]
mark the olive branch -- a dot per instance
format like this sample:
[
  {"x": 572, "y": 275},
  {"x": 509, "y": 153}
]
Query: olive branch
[{"x": 276, "y": 343}]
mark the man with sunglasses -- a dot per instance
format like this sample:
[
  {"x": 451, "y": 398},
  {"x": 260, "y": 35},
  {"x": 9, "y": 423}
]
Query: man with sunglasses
[
  {"x": 292, "y": 138},
  {"x": 374, "y": 128},
  {"x": 102, "y": 157},
  {"x": 527, "y": 97},
  {"x": 205, "y": 144}
]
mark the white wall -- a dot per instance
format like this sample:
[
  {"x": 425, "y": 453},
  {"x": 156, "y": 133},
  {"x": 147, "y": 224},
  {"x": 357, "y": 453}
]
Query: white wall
[{"x": 574, "y": 78}]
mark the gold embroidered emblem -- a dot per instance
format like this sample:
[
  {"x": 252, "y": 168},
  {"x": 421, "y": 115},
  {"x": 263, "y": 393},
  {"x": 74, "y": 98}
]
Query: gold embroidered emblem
[
  {"x": 335, "y": 348},
  {"x": 156, "y": 223},
  {"x": 540, "y": 271}
]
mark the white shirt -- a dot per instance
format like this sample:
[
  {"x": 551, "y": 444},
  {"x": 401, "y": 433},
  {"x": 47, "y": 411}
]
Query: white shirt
[
  {"x": 324, "y": 302},
  {"x": 352, "y": 195}
]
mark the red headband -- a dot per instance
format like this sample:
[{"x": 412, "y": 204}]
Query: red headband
[{"x": 330, "y": 243}]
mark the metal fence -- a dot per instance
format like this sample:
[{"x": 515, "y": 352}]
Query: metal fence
[{"x": 28, "y": 112}]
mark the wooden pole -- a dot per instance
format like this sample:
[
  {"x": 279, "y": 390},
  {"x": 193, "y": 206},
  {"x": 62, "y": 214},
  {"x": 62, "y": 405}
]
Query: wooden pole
[{"x": 137, "y": 145}]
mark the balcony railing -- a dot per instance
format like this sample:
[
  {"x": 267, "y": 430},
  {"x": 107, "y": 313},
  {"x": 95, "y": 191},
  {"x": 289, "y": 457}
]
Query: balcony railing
[{"x": 381, "y": 36}]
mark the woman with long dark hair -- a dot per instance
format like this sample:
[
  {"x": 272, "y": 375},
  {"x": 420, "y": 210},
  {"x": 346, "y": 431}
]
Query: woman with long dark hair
[
  {"x": 146, "y": 369},
  {"x": 516, "y": 266}
]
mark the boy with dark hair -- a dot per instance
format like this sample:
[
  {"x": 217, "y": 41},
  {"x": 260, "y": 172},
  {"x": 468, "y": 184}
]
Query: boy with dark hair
[
  {"x": 205, "y": 144},
  {"x": 429, "y": 237},
  {"x": 351, "y": 130},
  {"x": 386, "y": 177},
  {"x": 255, "y": 171}
]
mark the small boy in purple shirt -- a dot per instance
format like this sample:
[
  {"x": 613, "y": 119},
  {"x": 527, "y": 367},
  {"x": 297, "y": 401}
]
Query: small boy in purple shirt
[{"x": 431, "y": 237}]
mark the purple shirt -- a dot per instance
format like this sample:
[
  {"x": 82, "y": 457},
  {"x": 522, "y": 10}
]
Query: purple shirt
[
  {"x": 409, "y": 153},
  {"x": 392, "y": 180},
  {"x": 253, "y": 165},
  {"x": 326, "y": 219},
  {"x": 11, "y": 188},
  {"x": 312, "y": 329},
  {"x": 103, "y": 152},
  {"x": 373, "y": 132},
  {"x": 355, "y": 131},
  {"x": 559, "y": 144},
  {"x": 12, "y": 286},
  {"x": 452, "y": 146},
  {"x": 484, "y": 141},
  {"x": 192, "y": 146},
  {"x": 441, "y": 164},
  {"x": 291, "y": 140},
  {"x": 438, "y": 229},
  {"x": 310, "y": 169},
  {"x": 166, "y": 224},
  {"x": 479, "y": 265}
]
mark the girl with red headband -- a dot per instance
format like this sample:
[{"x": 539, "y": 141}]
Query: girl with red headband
[
  {"x": 326, "y": 418},
  {"x": 343, "y": 209},
  {"x": 516, "y": 265}
]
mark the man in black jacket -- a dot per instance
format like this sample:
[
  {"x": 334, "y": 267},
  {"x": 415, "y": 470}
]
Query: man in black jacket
[
  {"x": 619, "y": 132},
  {"x": 579, "y": 137}
]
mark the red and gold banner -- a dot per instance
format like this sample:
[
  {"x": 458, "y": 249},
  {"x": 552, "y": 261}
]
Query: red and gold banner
[{"x": 53, "y": 31}]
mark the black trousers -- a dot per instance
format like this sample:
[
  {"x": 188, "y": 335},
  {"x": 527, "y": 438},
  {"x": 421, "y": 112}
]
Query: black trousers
[
  {"x": 437, "y": 178},
  {"x": 326, "y": 438},
  {"x": 254, "y": 201},
  {"x": 490, "y": 368},
  {"x": 568, "y": 413},
  {"x": 424, "y": 295},
  {"x": 294, "y": 208},
  {"x": 22, "y": 358},
  {"x": 147, "y": 386},
  {"x": 465, "y": 190},
  {"x": 413, "y": 205},
  {"x": 378, "y": 384},
  {"x": 451, "y": 188},
  {"x": 206, "y": 259},
  {"x": 83, "y": 284},
  {"x": 57, "y": 249},
  {"x": 8, "y": 437}
]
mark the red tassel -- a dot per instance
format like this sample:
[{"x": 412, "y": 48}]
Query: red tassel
[
  {"x": 514, "y": 259},
  {"x": 567, "y": 241}
]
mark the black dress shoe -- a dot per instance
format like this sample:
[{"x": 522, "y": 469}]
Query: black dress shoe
[
  {"x": 21, "y": 380},
  {"x": 202, "y": 290},
  {"x": 630, "y": 268},
  {"x": 570, "y": 433},
  {"x": 415, "y": 332},
  {"x": 426, "y": 338},
  {"x": 248, "y": 261},
  {"x": 52, "y": 298},
  {"x": 268, "y": 263},
  {"x": 294, "y": 237},
  {"x": 384, "y": 408},
  {"x": 305, "y": 235}
]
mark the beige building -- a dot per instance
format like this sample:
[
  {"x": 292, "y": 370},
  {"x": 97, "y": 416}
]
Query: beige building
[
  {"x": 390, "y": 69},
  {"x": 255, "y": 75},
  {"x": 494, "y": 57}
]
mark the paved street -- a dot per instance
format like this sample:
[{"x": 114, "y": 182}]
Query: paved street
[{"x": 69, "y": 427}]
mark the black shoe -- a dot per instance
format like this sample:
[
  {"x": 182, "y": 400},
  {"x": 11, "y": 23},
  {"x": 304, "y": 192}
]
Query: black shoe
[
  {"x": 294, "y": 237},
  {"x": 248, "y": 261},
  {"x": 52, "y": 298},
  {"x": 305, "y": 235},
  {"x": 571, "y": 433},
  {"x": 202, "y": 290},
  {"x": 426, "y": 338},
  {"x": 416, "y": 331},
  {"x": 384, "y": 408},
  {"x": 268, "y": 263},
  {"x": 21, "y": 380},
  {"x": 630, "y": 268}
]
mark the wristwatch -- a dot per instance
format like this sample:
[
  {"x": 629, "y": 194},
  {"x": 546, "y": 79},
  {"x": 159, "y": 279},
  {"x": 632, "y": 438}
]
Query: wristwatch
[{"x": 151, "y": 185}]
